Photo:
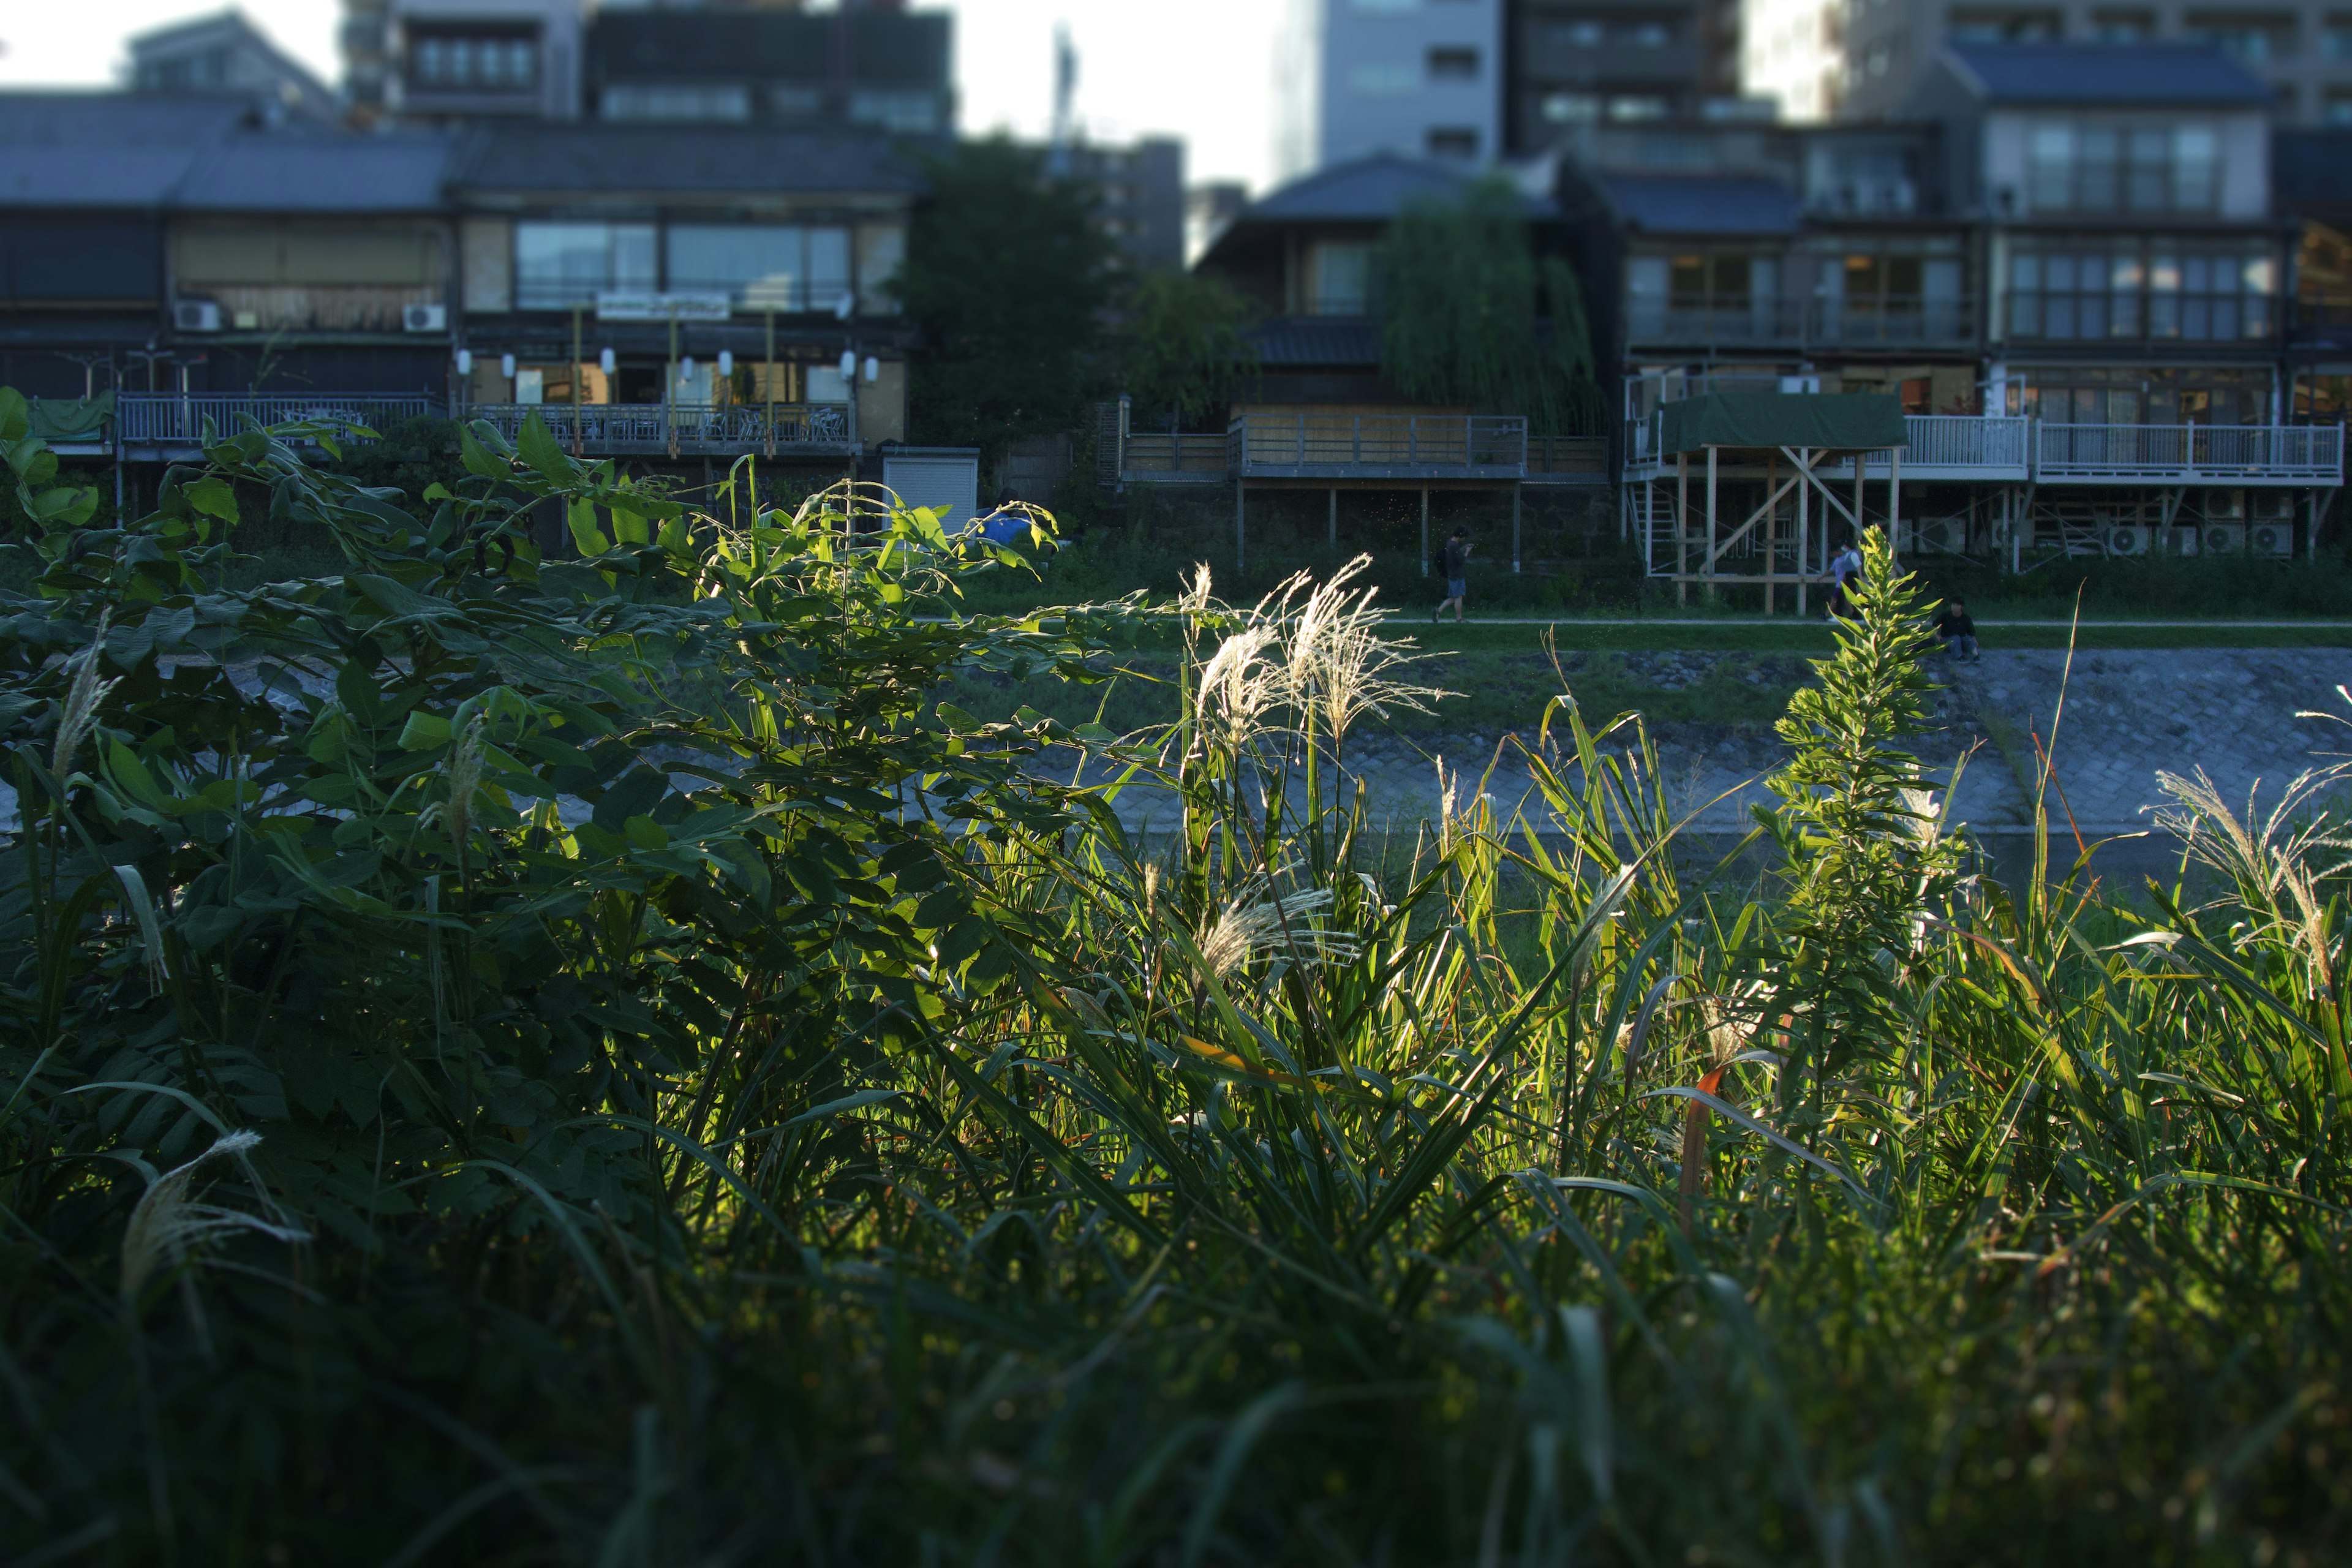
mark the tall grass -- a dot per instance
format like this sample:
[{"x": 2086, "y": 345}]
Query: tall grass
[{"x": 714, "y": 1107}]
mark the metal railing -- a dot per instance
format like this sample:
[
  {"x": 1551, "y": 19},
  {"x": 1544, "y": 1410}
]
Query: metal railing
[
  {"x": 651, "y": 428},
  {"x": 178, "y": 419},
  {"x": 1964, "y": 446},
  {"x": 2241, "y": 454},
  {"x": 1377, "y": 446},
  {"x": 1846, "y": 322}
]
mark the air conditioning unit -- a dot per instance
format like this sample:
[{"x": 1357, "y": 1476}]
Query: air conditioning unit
[
  {"x": 2225, "y": 506},
  {"x": 1941, "y": 535},
  {"x": 2274, "y": 505},
  {"x": 195, "y": 316},
  {"x": 2181, "y": 541},
  {"x": 424, "y": 318},
  {"x": 2223, "y": 538},
  {"x": 2270, "y": 539},
  {"x": 2126, "y": 539}
]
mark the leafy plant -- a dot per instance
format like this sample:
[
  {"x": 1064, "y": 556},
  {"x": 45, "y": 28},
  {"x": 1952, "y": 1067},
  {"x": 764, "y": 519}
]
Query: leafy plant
[
  {"x": 507, "y": 1060},
  {"x": 1186, "y": 349}
]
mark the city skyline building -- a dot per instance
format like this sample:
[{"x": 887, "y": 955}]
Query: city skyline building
[{"x": 1420, "y": 78}]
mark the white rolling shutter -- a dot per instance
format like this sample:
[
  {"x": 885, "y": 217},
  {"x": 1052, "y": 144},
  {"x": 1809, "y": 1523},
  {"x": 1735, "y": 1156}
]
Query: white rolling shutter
[{"x": 937, "y": 479}]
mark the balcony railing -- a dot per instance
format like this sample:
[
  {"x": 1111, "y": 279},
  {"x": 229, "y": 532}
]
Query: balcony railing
[
  {"x": 1845, "y": 323},
  {"x": 1963, "y": 448},
  {"x": 1159, "y": 457},
  {"x": 646, "y": 429},
  {"x": 2190, "y": 454},
  {"x": 1377, "y": 446},
  {"x": 179, "y": 419},
  {"x": 1568, "y": 460}
]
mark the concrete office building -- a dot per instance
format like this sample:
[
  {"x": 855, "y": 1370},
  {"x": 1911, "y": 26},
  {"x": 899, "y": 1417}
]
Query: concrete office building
[
  {"x": 1421, "y": 77},
  {"x": 2304, "y": 51}
]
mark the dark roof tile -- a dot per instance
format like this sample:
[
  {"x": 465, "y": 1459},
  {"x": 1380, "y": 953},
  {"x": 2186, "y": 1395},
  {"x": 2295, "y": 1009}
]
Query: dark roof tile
[
  {"x": 1702, "y": 204},
  {"x": 683, "y": 160},
  {"x": 2169, "y": 76}
]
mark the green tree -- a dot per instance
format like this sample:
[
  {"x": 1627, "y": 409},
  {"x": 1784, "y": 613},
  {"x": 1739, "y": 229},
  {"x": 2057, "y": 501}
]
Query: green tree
[
  {"x": 1470, "y": 315},
  {"x": 1185, "y": 347},
  {"x": 1007, "y": 274}
]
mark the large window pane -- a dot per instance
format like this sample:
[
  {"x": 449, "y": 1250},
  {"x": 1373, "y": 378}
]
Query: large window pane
[
  {"x": 560, "y": 265},
  {"x": 829, "y": 267},
  {"x": 759, "y": 267}
]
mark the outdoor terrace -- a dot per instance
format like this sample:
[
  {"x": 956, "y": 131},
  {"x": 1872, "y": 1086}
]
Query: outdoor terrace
[{"x": 157, "y": 426}]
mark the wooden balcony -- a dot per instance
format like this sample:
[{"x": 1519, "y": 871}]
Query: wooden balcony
[
  {"x": 1160, "y": 458},
  {"x": 1403, "y": 447},
  {"x": 685, "y": 430}
]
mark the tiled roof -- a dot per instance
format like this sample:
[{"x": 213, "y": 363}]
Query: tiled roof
[
  {"x": 2178, "y": 76},
  {"x": 1317, "y": 340},
  {"x": 1702, "y": 204},
  {"x": 682, "y": 159},
  {"x": 1367, "y": 190}
]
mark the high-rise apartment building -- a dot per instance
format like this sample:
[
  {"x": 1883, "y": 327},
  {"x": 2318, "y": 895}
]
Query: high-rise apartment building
[
  {"x": 1423, "y": 77},
  {"x": 2301, "y": 48},
  {"x": 1586, "y": 62},
  {"x": 868, "y": 65}
]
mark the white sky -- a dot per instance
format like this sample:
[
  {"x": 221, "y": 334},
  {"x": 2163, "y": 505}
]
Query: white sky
[{"x": 1202, "y": 69}]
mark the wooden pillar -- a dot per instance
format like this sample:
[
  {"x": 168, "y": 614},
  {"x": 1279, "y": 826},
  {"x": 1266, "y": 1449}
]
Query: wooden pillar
[
  {"x": 1517, "y": 491},
  {"x": 1335, "y": 517},
  {"x": 1425, "y": 530},
  {"x": 1711, "y": 525},
  {"x": 1858, "y": 512},
  {"x": 1240, "y": 557},
  {"x": 1682, "y": 528},
  {"x": 1771, "y": 530}
]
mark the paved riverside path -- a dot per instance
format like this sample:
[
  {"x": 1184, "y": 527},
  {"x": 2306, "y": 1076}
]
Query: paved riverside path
[{"x": 2128, "y": 716}]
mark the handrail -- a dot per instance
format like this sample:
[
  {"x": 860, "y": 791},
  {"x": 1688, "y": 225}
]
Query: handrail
[
  {"x": 148, "y": 418},
  {"x": 650, "y": 425},
  {"x": 1402, "y": 444}
]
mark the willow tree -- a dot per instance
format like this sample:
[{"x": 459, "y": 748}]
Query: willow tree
[{"x": 1470, "y": 315}]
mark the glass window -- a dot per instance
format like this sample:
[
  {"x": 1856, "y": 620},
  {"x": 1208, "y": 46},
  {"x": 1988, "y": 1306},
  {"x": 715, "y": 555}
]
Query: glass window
[
  {"x": 2049, "y": 167},
  {"x": 2196, "y": 168},
  {"x": 1450, "y": 64},
  {"x": 763, "y": 267},
  {"x": 909, "y": 113},
  {"x": 560, "y": 265},
  {"x": 724, "y": 102},
  {"x": 1342, "y": 280}
]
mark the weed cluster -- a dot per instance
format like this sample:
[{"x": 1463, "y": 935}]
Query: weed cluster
[{"x": 508, "y": 1061}]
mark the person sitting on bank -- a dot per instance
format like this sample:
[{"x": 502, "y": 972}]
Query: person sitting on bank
[
  {"x": 1457, "y": 573},
  {"x": 1958, "y": 632}
]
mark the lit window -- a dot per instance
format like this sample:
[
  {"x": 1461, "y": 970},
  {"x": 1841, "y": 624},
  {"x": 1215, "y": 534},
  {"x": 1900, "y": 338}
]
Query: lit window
[{"x": 725, "y": 102}]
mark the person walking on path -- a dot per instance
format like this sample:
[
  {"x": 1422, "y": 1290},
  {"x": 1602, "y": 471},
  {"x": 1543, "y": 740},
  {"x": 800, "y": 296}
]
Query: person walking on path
[
  {"x": 1958, "y": 632},
  {"x": 1458, "y": 568},
  {"x": 1844, "y": 567}
]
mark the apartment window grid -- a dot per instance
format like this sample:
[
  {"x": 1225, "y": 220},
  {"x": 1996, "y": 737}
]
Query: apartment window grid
[
  {"x": 2114, "y": 168},
  {"x": 2093, "y": 291},
  {"x": 484, "y": 64}
]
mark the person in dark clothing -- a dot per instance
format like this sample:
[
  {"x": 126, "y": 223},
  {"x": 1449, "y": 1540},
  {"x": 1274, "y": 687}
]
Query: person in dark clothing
[
  {"x": 1958, "y": 632},
  {"x": 1457, "y": 569}
]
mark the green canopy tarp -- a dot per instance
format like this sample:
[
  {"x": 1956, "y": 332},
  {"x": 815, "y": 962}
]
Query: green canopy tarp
[
  {"x": 71, "y": 418},
  {"x": 1850, "y": 421}
]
